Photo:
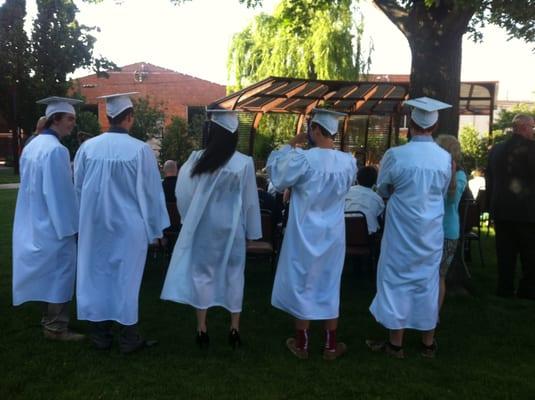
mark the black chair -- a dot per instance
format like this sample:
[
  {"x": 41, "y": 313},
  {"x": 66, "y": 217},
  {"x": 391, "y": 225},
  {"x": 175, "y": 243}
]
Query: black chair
[
  {"x": 358, "y": 242},
  {"x": 267, "y": 245},
  {"x": 470, "y": 212}
]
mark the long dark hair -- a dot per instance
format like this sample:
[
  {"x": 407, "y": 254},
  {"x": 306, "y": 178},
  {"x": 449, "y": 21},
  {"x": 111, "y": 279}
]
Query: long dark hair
[{"x": 219, "y": 147}]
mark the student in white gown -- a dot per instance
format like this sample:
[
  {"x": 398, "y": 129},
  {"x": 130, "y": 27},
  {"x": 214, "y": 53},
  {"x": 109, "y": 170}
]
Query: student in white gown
[
  {"x": 307, "y": 282},
  {"x": 122, "y": 210},
  {"x": 415, "y": 178},
  {"x": 46, "y": 223},
  {"x": 218, "y": 203}
]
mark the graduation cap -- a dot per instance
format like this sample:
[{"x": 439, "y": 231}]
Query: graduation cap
[
  {"x": 327, "y": 119},
  {"x": 117, "y": 103},
  {"x": 425, "y": 110},
  {"x": 227, "y": 119},
  {"x": 57, "y": 104}
]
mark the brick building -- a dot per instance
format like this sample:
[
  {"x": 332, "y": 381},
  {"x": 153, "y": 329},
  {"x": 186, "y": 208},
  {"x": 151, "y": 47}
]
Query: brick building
[{"x": 181, "y": 95}]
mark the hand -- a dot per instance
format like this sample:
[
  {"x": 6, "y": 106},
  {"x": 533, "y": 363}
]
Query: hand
[{"x": 286, "y": 195}]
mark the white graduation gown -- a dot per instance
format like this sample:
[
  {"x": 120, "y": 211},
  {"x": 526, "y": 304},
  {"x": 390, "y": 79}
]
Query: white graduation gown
[
  {"x": 122, "y": 210},
  {"x": 219, "y": 211},
  {"x": 416, "y": 177},
  {"x": 46, "y": 221},
  {"x": 307, "y": 282}
]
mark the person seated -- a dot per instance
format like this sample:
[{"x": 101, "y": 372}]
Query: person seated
[
  {"x": 361, "y": 197},
  {"x": 170, "y": 171},
  {"x": 477, "y": 182},
  {"x": 267, "y": 201}
]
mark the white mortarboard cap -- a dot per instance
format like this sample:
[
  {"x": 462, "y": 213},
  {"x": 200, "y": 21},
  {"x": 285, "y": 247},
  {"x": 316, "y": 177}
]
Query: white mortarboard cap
[
  {"x": 327, "y": 119},
  {"x": 425, "y": 110},
  {"x": 57, "y": 104},
  {"x": 117, "y": 103},
  {"x": 228, "y": 119}
]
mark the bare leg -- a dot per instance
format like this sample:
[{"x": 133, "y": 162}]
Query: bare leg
[
  {"x": 301, "y": 324},
  {"x": 396, "y": 337},
  {"x": 428, "y": 337},
  {"x": 441, "y": 292},
  {"x": 331, "y": 324},
  {"x": 235, "y": 321},
  {"x": 201, "y": 320}
]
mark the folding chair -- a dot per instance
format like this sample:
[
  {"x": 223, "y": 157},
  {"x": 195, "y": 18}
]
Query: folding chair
[
  {"x": 358, "y": 241},
  {"x": 266, "y": 245},
  {"x": 469, "y": 212}
]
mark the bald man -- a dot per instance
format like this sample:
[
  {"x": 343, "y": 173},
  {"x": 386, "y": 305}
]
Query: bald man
[
  {"x": 170, "y": 171},
  {"x": 511, "y": 187}
]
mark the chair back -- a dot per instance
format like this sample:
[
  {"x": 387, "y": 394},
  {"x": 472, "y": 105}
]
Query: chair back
[
  {"x": 469, "y": 213},
  {"x": 356, "y": 229},
  {"x": 267, "y": 225}
]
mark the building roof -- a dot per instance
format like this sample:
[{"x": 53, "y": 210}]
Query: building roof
[{"x": 373, "y": 97}]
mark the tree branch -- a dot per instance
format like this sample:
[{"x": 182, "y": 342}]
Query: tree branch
[{"x": 397, "y": 14}]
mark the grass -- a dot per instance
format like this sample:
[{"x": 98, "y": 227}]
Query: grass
[
  {"x": 486, "y": 348},
  {"x": 7, "y": 176}
]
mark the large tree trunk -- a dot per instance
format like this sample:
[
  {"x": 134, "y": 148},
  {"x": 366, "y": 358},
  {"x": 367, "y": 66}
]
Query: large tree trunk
[
  {"x": 436, "y": 72},
  {"x": 435, "y": 38}
]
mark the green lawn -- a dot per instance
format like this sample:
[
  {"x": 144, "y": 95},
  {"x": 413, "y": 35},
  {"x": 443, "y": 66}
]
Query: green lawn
[
  {"x": 7, "y": 176},
  {"x": 486, "y": 348}
]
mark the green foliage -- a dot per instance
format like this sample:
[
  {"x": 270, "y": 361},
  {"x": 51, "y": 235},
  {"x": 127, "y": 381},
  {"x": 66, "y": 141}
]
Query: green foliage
[
  {"x": 86, "y": 121},
  {"x": 148, "y": 119},
  {"x": 505, "y": 117},
  {"x": 475, "y": 146},
  {"x": 303, "y": 39},
  {"x": 179, "y": 141},
  {"x": 32, "y": 69},
  {"x": 312, "y": 39},
  {"x": 14, "y": 62}
]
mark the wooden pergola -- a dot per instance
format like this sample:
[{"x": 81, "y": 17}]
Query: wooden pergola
[{"x": 362, "y": 98}]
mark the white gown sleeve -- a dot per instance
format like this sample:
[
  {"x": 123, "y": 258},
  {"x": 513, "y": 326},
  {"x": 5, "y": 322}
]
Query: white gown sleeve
[
  {"x": 384, "y": 180},
  {"x": 251, "y": 207},
  {"x": 184, "y": 185},
  {"x": 150, "y": 194},
  {"x": 58, "y": 191},
  {"x": 286, "y": 166},
  {"x": 79, "y": 173}
]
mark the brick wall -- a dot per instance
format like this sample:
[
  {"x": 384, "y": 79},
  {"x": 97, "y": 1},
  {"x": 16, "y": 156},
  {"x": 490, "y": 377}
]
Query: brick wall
[{"x": 175, "y": 90}]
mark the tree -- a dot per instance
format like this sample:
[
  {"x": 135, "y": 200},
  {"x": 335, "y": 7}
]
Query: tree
[
  {"x": 178, "y": 142},
  {"x": 505, "y": 117},
  {"x": 311, "y": 39},
  {"x": 434, "y": 30},
  {"x": 86, "y": 121},
  {"x": 14, "y": 67},
  {"x": 148, "y": 120}
]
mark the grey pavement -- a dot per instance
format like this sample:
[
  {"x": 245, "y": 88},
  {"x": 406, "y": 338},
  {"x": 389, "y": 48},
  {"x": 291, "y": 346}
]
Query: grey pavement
[{"x": 9, "y": 186}]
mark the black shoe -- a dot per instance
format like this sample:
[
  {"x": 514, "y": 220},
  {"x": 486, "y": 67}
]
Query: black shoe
[
  {"x": 234, "y": 338},
  {"x": 202, "y": 339}
]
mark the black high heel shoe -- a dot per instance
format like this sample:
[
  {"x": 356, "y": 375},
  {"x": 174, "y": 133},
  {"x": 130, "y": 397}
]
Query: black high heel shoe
[
  {"x": 234, "y": 338},
  {"x": 202, "y": 339}
]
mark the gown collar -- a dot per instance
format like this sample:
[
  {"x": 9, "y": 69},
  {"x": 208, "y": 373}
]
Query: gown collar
[
  {"x": 117, "y": 129},
  {"x": 422, "y": 138},
  {"x": 50, "y": 131}
]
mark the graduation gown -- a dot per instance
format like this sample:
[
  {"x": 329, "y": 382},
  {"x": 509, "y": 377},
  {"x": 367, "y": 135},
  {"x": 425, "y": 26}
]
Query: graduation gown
[
  {"x": 416, "y": 177},
  {"x": 122, "y": 210},
  {"x": 307, "y": 282},
  {"x": 46, "y": 221},
  {"x": 219, "y": 211}
]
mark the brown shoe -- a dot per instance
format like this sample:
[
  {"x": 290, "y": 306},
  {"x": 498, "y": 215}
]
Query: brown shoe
[
  {"x": 429, "y": 351},
  {"x": 302, "y": 354},
  {"x": 385, "y": 347},
  {"x": 331, "y": 355},
  {"x": 63, "y": 336}
]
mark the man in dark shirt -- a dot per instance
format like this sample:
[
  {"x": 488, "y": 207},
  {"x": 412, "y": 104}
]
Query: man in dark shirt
[
  {"x": 511, "y": 188},
  {"x": 170, "y": 171}
]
